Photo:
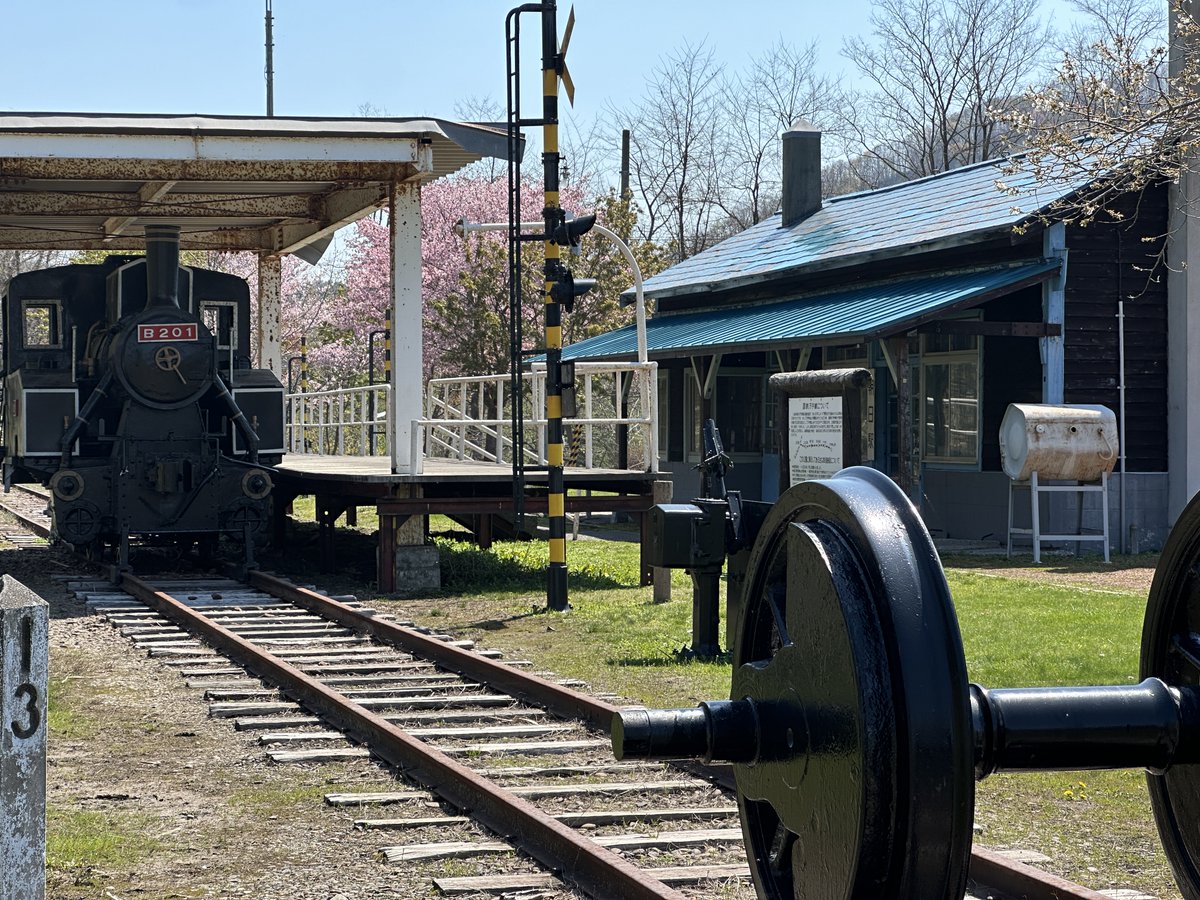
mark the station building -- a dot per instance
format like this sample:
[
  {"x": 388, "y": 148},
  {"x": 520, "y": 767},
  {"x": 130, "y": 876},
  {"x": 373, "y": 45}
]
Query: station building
[{"x": 962, "y": 293}]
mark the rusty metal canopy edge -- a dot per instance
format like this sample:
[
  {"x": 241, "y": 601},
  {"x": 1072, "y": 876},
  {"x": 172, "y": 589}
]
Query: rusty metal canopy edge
[{"x": 85, "y": 181}]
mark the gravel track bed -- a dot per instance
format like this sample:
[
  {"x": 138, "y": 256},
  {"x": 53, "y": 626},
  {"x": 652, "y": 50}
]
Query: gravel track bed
[
  {"x": 223, "y": 821},
  {"x": 136, "y": 753}
]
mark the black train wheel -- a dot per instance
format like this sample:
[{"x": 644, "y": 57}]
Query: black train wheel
[
  {"x": 869, "y": 791},
  {"x": 1171, "y": 651}
]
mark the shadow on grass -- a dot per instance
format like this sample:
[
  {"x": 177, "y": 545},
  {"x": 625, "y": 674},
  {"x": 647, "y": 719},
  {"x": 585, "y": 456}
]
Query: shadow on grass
[
  {"x": 680, "y": 657},
  {"x": 644, "y": 662},
  {"x": 1062, "y": 565},
  {"x": 467, "y": 568},
  {"x": 501, "y": 624}
]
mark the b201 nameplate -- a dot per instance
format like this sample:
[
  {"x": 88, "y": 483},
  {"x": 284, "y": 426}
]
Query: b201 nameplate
[{"x": 154, "y": 333}]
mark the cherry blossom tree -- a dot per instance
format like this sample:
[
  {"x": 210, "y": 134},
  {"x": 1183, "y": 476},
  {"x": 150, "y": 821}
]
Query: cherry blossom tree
[
  {"x": 465, "y": 279},
  {"x": 310, "y": 299}
]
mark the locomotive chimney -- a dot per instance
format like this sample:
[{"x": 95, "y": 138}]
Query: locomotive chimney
[{"x": 162, "y": 265}]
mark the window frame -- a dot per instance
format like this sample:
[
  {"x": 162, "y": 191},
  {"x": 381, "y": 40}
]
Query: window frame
[
  {"x": 218, "y": 305},
  {"x": 663, "y": 387},
  {"x": 692, "y": 405},
  {"x": 863, "y": 360},
  {"x": 56, "y": 322},
  {"x": 949, "y": 358}
]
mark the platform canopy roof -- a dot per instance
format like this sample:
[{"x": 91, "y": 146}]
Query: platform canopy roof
[
  {"x": 275, "y": 185},
  {"x": 835, "y": 317}
]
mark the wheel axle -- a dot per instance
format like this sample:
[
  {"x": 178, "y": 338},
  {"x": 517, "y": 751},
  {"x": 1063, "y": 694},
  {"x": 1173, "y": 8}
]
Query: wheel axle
[
  {"x": 1139, "y": 726},
  {"x": 854, "y": 735}
]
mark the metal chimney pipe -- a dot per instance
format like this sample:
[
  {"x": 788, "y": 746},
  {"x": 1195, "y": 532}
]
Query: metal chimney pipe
[
  {"x": 801, "y": 172},
  {"x": 162, "y": 265}
]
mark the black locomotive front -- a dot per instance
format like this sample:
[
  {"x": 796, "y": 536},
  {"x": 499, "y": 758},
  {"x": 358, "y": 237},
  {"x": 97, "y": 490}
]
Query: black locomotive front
[{"x": 129, "y": 390}]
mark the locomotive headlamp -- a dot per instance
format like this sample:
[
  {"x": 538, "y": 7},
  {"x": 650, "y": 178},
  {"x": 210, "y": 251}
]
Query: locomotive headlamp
[
  {"x": 256, "y": 484},
  {"x": 67, "y": 484}
]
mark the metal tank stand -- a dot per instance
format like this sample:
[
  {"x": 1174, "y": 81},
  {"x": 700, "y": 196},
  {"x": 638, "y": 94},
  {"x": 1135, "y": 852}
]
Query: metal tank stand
[{"x": 1036, "y": 532}]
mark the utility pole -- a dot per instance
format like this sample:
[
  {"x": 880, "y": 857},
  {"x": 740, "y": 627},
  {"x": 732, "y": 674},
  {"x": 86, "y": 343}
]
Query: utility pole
[
  {"x": 625, "y": 195},
  {"x": 270, "y": 63}
]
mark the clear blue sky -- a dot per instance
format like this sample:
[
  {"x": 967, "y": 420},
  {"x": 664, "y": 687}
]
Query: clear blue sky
[{"x": 403, "y": 57}]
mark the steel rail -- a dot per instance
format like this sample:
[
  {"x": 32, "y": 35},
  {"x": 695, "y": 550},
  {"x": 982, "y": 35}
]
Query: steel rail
[
  {"x": 987, "y": 867},
  {"x": 525, "y": 686},
  {"x": 1011, "y": 877},
  {"x": 599, "y": 872},
  {"x": 39, "y": 528}
]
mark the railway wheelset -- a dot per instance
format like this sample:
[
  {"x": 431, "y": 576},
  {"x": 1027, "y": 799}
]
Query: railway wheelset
[{"x": 854, "y": 734}]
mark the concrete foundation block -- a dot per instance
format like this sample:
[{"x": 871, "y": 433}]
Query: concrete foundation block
[
  {"x": 24, "y": 668},
  {"x": 418, "y": 569}
]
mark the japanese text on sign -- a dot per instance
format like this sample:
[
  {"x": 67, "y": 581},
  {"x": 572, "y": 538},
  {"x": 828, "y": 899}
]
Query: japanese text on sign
[{"x": 814, "y": 437}]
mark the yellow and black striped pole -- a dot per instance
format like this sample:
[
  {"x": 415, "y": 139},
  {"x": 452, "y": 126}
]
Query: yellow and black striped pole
[
  {"x": 303, "y": 364},
  {"x": 556, "y": 576},
  {"x": 387, "y": 346},
  {"x": 304, "y": 386}
]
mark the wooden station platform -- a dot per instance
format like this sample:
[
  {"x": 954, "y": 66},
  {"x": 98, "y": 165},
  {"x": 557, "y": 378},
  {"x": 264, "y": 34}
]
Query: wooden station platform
[{"x": 477, "y": 495}]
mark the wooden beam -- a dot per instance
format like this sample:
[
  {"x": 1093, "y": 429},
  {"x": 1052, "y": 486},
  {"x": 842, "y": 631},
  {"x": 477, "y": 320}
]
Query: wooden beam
[
  {"x": 434, "y": 505},
  {"x": 905, "y": 449},
  {"x": 993, "y": 329},
  {"x": 149, "y": 192}
]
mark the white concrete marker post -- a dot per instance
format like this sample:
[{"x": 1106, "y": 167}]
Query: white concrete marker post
[{"x": 24, "y": 667}]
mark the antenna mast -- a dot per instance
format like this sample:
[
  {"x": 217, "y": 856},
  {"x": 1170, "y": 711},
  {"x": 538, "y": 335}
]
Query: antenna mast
[{"x": 270, "y": 63}]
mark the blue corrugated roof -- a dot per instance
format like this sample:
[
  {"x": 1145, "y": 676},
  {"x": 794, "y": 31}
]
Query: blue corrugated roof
[
  {"x": 859, "y": 314},
  {"x": 950, "y": 206}
]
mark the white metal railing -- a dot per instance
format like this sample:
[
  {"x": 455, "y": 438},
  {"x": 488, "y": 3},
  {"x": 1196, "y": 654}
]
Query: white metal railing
[
  {"x": 469, "y": 418},
  {"x": 346, "y": 422}
]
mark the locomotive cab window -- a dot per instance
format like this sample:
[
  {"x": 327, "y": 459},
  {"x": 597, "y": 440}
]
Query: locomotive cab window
[
  {"x": 41, "y": 322},
  {"x": 220, "y": 317}
]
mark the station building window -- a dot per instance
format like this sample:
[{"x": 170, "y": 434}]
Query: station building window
[
  {"x": 737, "y": 408},
  {"x": 694, "y": 411},
  {"x": 950, "y": 399},
  {"x": 857, "y": 356},
  {"x": 41, "y": 322}
]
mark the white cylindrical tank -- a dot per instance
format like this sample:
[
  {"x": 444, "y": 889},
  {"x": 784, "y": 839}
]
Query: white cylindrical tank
[{"x": 1075, "y": 442}]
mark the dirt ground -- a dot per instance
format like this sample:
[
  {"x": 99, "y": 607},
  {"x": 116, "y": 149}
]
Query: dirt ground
[{"x": 1124, "y": 573}]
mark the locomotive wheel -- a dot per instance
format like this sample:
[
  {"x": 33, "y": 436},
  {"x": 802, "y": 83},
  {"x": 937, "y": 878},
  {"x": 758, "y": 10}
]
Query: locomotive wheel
[
  {"x": 1171, "y": 651},
  {"x": 849, "y": 629}
]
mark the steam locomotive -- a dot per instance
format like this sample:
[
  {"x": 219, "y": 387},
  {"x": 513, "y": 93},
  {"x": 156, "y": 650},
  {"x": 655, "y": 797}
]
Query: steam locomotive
[{"x": 128, "y": 389}]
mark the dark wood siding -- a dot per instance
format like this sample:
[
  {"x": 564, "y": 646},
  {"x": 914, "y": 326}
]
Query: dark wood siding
[
  {"x": 1107, "y": 262},
  {"x": 1012, "y": 368}
]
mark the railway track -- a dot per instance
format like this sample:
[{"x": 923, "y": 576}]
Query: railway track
[
  {"x": 506, "y": 771},
  {"x": 28, "y": 505}
]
